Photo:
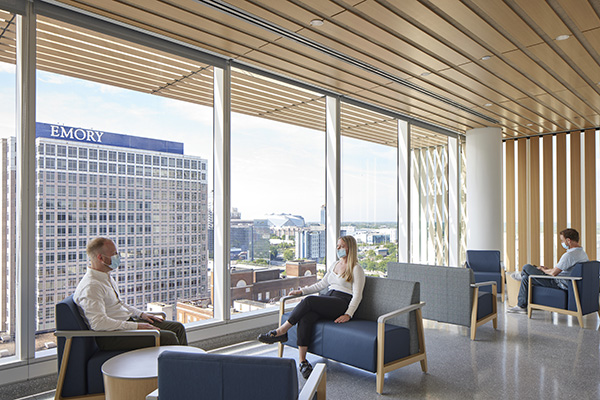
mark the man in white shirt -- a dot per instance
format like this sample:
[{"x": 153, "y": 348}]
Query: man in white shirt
[
  {"x": 99, "y": 301},
  {"x": 575, "y": 254}
]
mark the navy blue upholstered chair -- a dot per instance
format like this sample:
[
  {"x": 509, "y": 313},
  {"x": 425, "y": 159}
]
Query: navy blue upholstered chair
[
  {"x": 79, "y": 358},
  {"x": 486, "y": 266},
  {"x": 230, "y": 377},
  {"x": 580, "y": 299}
]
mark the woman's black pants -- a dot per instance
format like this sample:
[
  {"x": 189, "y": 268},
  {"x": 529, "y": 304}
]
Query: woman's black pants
[{"x": 328, "y": 306}]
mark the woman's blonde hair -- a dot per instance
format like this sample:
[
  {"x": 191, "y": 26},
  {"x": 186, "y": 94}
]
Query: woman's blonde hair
[{"x": 352, "y": 257}]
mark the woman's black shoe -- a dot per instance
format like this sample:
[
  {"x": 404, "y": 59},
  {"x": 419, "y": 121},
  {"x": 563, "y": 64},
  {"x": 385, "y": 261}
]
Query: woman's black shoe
[
  {"x": 305, "y": 369},
  {"x": 270, "y": 337}
]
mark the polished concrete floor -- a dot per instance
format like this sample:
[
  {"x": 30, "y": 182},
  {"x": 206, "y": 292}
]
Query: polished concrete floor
[{"x": 546, "y": 357}]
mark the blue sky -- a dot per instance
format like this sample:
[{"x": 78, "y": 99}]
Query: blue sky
[{"x": 276, "y": 167}]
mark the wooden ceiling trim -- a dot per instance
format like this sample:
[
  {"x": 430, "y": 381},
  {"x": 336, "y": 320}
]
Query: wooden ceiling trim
[
  {"x": 164, "y": 26},
  {"x": 76, "y": 37},
  {"x": 272, "y": 92},
  {"x": 581, "y": 12},
  {"x": 573, "y": 75},
  {"x": 540, "y": 13},
  {"x": 260, "y": 83}
]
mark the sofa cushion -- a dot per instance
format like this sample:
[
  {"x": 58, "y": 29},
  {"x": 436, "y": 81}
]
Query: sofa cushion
[
  {"x": 354, "y": 342},
  {"x": 551, "y": 297},
  {"x": 485, "y": 304}
]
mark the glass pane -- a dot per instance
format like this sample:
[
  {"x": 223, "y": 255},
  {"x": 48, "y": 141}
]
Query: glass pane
[
  {"x": 370, "y": 186},
  {"x": 429, "y": 197},
  {"x": 8, "y": 164},
  {"x": 277, "y": 190},
  {"x": 124, "y": 149}
]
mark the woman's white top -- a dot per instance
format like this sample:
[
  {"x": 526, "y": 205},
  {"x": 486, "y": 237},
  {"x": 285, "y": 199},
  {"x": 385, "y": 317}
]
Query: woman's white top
[{"x": 333, "y": 281}]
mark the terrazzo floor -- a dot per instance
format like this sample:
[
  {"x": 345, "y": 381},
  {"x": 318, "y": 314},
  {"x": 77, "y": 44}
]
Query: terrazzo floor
[{"x": 546, "y": 357}]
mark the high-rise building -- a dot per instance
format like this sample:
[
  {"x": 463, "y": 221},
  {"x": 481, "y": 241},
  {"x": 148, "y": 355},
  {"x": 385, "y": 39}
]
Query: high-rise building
[
  {"x": 144, "y": 194},
  {"x": 311, "y": 243}
]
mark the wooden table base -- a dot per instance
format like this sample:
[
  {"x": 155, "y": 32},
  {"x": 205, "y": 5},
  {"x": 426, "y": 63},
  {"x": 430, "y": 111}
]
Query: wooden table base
[{"x": 128, "y": 389}]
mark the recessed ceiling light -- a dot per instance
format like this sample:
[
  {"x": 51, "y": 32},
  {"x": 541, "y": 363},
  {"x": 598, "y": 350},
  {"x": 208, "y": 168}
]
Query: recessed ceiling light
[
  {"x": 485, "y": 58},
  {"x": 316, "y": 22},
  {"x": 563, "y": 37},
  {"x": 488, "y": 104},
  {"x": 425, "y": 73},
  {"x": 529, "y": 124}
]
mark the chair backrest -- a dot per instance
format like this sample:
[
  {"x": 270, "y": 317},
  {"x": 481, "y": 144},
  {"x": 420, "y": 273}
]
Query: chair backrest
[
  {"x": 483, "y": 260},
  {"x": 383, "y": 295},
  {"x": 225, "y": 377},
  {"x": 68, "y": 318},
  {"x": 587, "y": 287}
]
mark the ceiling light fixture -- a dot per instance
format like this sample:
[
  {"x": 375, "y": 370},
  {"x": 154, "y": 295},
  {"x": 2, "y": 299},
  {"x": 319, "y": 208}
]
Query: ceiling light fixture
[
  {"x": 488, "y": 104},
  {"x": 529, "y": 124},
  {"x": 316, "y": 22},
  {"x": 485, "y": 58},
  {"x": 563, "y": 37},
  {"x": 425, "y": 73}
]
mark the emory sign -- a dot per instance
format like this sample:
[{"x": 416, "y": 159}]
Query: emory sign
[
  {"x": 75, "y": 134},
  {"x": 94, "y": 137}
]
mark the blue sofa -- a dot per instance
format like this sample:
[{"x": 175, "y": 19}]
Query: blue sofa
[
  {"x": 451, "y": 294},
  {"x": 79, "y": 358},
  {"x": 386, "y": 332},
  {"x": 580, "y": 299},
  {"x": 230, "y": 377}
]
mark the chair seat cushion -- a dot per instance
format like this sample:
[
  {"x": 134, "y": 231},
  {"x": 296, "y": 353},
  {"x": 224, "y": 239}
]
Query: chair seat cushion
[
  {"x": 355, "y": 342},
  {"x": 485, "y": 304},
  {"x": 94, "y": 376},
  {"x": 486, "y": 277},
  {"x": 551, "y": 297}
]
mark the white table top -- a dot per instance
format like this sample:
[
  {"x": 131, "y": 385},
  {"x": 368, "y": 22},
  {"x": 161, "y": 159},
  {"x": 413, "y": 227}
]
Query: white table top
[{"x": 140, "y": 363}]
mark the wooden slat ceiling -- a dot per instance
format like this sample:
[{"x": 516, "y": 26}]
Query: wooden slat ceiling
[{"x": 531, "y": 83}]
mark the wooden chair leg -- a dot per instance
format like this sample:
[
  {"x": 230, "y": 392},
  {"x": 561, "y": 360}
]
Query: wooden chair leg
[
  {"x": 474, "y": 313},
  {"x": 280, "y": 349},
  {"x": 63, "y": 369}
]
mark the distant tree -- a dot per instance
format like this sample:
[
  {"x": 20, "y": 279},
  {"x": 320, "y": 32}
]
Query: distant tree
[
  {"x": 274, "y": 252},
  {"x": 289, "y": 254}
]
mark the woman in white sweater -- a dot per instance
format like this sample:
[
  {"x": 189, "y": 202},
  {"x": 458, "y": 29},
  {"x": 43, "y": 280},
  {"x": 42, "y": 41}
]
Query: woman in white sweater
[{"x": 345, "y": 281}]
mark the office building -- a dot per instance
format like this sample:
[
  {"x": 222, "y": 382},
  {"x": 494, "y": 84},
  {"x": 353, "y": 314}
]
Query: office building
[
  {"x": 144, "y": 194},
  {"x": 311, "y": 244}
]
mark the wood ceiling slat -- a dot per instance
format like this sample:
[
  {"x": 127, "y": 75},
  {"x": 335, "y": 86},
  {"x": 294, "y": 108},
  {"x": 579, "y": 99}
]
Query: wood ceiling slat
[
  {"x": 581, "y": 58},
  {"x": 457, "y": 10},
  {"x": 527, "y": 64},
  {"x": 265, "y": 84},
  {"x": 543, "y": 15},
  {"x": 509, "y": 21},
  {"x": 558, "y": 65},
  {"x": 272, "y": 92},
  {"x": 582, "y": 13}
]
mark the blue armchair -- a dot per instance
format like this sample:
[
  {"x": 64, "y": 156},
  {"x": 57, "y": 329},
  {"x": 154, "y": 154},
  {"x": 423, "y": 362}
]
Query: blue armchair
[
  {"x": 230, "y": 377},
  {"x": 79, "y": 358},
  {"x": 486, "y": 266},
  {"x": 580, "y": 299}
]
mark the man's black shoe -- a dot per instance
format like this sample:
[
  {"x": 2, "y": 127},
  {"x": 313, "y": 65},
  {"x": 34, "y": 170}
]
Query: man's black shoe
[
  {"x": 270, "y": 337},
  {"x": 305, "y": 369}
]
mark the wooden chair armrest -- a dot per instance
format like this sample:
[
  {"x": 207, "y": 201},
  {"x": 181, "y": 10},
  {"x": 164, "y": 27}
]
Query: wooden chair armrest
[
  {"x": 314, "y": 384},
  {"x": 135, "y": 332},
  {"x": 382, "y": 318},
  {"x": 571, "y": 278},
  {"x": 479, "y": 284},
  {"x": 282, "y": 302}
]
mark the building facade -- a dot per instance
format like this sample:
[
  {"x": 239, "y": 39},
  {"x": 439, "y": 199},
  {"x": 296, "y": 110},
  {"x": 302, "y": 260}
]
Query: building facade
[
  {"x": 144, "y": 194},
  {"x": 311, "y": 244}
]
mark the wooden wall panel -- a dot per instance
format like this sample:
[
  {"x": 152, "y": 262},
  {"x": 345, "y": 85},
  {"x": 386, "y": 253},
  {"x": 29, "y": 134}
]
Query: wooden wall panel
[
  {"x": 534, "y": 200},
  {"x": 522, "y": 202},
  {"x": 561, "y": 186},
  {"x": 509, "y": 201},
  {"x": 548, "y": 202},
  {"x": 589, "y": 173},
  {"x": 576, "y": 205}
]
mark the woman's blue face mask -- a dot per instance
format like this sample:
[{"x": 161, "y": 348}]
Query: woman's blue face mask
[{"x": 341, "y": 253}]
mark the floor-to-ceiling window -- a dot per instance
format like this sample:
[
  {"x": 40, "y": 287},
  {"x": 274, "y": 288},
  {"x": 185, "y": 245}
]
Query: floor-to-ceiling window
[
  {"x": 124, "y": 151},
  {"x": 429, "y": 198},
  {"x": 369, "y": 195},
  {"x": 8, "y": 154},
  {"x": 277, "y": 234}
]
